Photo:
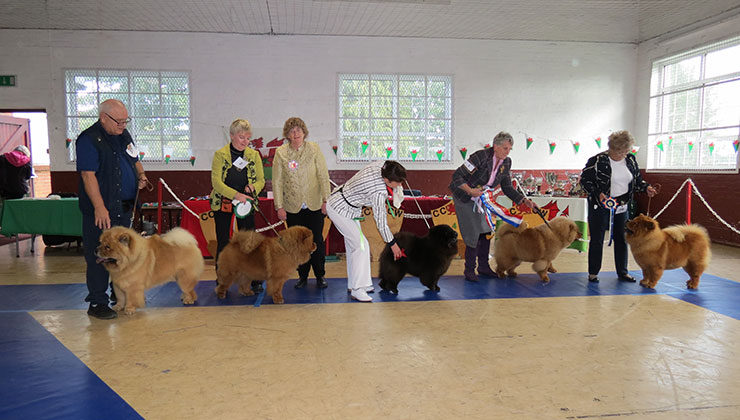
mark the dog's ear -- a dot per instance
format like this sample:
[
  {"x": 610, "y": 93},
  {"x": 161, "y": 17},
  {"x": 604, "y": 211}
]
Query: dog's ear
[{"x": 125, "y": 239}]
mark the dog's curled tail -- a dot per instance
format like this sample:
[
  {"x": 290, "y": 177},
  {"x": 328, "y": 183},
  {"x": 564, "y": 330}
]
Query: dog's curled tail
[
  {"x": 679, "y": 232},
  {"x": 248, "y": 240},
  {"x": 506, "y": 229},
  {"x": 181, "y": 237}
]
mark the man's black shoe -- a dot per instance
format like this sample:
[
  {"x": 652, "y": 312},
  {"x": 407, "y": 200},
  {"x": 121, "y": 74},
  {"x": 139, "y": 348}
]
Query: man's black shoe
[
  {"x": 321, "y": 282},
  {"x": 301, "y": 283},
  {"x": 101, "y": 312},
  {"x": 257, "y": 286}
]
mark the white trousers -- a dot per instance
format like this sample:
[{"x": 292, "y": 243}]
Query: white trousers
[{"x": 357, "y": 248}]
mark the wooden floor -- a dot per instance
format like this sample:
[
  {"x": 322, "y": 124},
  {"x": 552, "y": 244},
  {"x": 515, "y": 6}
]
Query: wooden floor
[{"x": 590, "y": 357}]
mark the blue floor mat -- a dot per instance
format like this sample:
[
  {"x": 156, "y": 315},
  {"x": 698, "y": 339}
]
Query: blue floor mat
[
  {"x": 44, "y": 380},
  {"x": 715, "y": 293}
]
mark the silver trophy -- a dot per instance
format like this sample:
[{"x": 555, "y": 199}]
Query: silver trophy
[
  {"x": 551, "y": 178},
  {"x": 529, "y": 185},
  {"x": 537, "y": 186},
  {"x": 576, "y": 190}
]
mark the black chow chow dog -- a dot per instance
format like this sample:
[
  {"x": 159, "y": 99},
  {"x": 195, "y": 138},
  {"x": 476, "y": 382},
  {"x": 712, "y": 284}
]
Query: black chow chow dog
[{"x": 427, "y": 257}]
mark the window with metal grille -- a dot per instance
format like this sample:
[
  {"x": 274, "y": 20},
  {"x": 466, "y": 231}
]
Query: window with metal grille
[
  {"x": 158, "y": 104},
  {"x": 694, "y": 122},
  {"x": 405, "y": 117}
]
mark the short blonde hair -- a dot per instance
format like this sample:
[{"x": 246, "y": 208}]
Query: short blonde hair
[
  {"x": 293, "y": 122},
  {"x": 619, "y": 141},
  {"x": 240, "y": 125}
]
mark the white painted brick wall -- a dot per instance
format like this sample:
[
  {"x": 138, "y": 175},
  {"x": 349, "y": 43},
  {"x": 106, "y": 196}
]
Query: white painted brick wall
[{"x": 548, "y": 90}]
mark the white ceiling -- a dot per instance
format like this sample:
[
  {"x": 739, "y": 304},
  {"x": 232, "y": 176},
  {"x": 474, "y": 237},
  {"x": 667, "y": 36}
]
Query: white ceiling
[{"x": 621, "y": 21}]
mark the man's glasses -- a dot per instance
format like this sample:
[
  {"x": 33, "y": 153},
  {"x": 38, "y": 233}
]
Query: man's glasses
[{"x": 122, "y": 122}]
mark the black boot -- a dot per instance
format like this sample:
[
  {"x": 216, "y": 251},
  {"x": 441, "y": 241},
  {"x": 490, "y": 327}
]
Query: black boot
[
  {"x": 321, "y": 282},
  {"x": 301, "y": 283},
  {"x": 481, "y": 251},
  {"x": 470, "y": 264}
]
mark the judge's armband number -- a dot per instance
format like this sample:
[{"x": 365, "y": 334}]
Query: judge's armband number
[{"x": 469, "y": 166}]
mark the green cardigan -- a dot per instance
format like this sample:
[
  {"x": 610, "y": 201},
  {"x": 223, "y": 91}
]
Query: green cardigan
[{"x": 221, "y": 164}]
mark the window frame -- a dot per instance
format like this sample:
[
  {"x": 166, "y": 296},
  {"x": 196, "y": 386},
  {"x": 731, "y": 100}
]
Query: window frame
[
  {"x": 161, "y": 138},
  {"x": 400, "y": 140},
  {"x": 661, "y": 97}
]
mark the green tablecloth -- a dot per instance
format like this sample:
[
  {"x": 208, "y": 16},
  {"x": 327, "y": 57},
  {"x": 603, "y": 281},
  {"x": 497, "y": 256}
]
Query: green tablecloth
[{"x": 41, "y": 216}]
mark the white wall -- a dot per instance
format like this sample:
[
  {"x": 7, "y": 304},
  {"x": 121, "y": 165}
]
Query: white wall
[
  {"x": 661, "y": 48},
  {"x": 549, "y": 90}
]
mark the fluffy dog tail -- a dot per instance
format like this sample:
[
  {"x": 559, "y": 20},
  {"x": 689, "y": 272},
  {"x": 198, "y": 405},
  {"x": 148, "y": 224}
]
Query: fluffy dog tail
[
  {"x": 507, "y": 229},
  {"x": 247, "y": 240},
  {"x": 679, "y": 232},
  {"x": 180, "y": 237}
]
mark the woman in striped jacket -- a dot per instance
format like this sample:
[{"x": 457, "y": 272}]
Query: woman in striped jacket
[{"x": 370, "y": 187}]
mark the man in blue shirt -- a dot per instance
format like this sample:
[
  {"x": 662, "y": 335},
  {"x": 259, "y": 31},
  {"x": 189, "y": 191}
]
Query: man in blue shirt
[{"x": 110, "y": 174}]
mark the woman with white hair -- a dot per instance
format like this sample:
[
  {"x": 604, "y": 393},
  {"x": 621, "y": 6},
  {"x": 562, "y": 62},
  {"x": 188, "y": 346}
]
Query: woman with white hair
[{"x": 611, "y": 174}]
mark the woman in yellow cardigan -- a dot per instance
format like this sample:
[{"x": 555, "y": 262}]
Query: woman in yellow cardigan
[
  {"x": 236, "y": 171},
  {"x": 300, "y": 185}
]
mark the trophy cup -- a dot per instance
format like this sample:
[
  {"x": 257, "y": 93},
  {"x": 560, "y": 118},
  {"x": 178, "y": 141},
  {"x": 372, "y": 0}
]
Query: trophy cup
[
  {"x": 518, "y": 179},
  {"x": 529, "y": 185},
  {"x": 560, "y": 188},
  {"x": 551, "y": 178},
  {"x": 537, "y": 185},
  {"x": 575, "y": 187}
]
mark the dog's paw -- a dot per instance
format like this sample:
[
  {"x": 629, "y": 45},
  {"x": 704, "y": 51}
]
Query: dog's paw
[
  {"x": 692, "y": 284},
  {"x": 278, "y": 300},
  {"x": 220, "y": 292},
  {"x": 187, "y": 300},
  {"x": 646, "y": 284},
  {"x": 130, "y": 310},
  {"x": 512, "y": 273},
  {"x": 246, "y": 292},
  {"x": 117, "y": 307}
]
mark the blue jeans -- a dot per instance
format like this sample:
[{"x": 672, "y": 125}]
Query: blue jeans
[{"x": 97, "y": 275}]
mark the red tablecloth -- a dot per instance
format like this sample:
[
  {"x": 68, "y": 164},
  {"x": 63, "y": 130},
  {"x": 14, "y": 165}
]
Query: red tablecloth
[{"x": 335, "y": 240}]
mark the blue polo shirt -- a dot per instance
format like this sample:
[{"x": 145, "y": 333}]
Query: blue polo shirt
[{"x": 88, "y": 160}]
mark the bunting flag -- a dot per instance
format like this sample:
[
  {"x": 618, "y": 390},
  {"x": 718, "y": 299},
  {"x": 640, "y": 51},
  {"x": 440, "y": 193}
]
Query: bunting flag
[
  {"x": 463, "y": 152},
  {"x": 440, "y": 154},
  {"x": 388, "y": 152},
  {"x": 487, "y": 146},
  {"x": 735, "y": 144},
  {"x": 635, "y": 150},
  {"x": 553, "y": 145},
  {"x": 69, "y": 141},
  {"x": 192, "y": 160},
  {"x": 334, "y": 148},
  {"x": 659, "y": 145},
  {"x": 576, "y": 145},
  {"x": 167, "y": 159},
  {"x": 529, "y": 142},
  {"x": 670, "y": 141},
  {"x": 364, "y": 147},
  {"x": 414, "y": 153},
  {"x": 598, "y": 142},
  {"x": 691, "y": 146},
  {"x": 486, "y": 204},
  {"x": 711, "y": 148},
  {"x": 141, "y": 155}
]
